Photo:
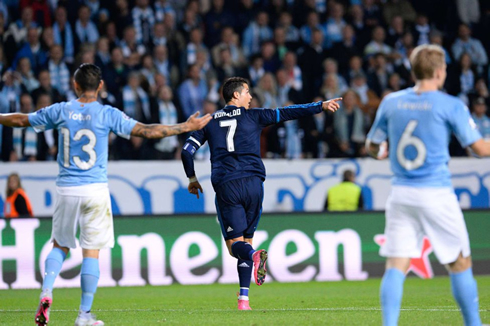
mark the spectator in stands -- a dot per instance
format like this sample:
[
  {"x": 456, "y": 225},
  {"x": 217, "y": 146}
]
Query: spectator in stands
[
  {"x": 378, "y": 77},
  {"x": 292, "y": 32},
  {"x": 311, "y": 57},
  {"x": 116, "y": 74},
  {"x": 368, "y": 100},
  {"x": 143, "y": 20},
  {"x": 131, "y": 48},
  {"x": 372, "y": 13},
  {"x": 331, "y": 86},
  {"x": 312, "y": 24},
  {"x": 422, "y": 30},
  {"x": 192, "y": 92},
  {"x": 195, "y": 44},
  {"x": 256, "y": 32},
  {"x": 47, "y": 147},
  {"x": 46, "y": 86},
  {"x": 203, "y": 154},
  {"x": 123, "y": 18},
  {"x": 40, "y": 11},
  {"x": 355, "y": 68},
  {"x": 462, "y": 79},
  {"x": 47, "y": 39},
  {"x": 17, "y": 204},
  {"x": 191, "y": 21},
  {"x": 85, "y": 29},
  {"x": 285, "y": 91},
  {"x": 330, "y": 66},
  {"x": 395, "y": 31},
  {"x": 377, "y": 44},
  {"x": 33, "y": 51},
  {"x": 269, "y": 53},
  {"x": 162, "y": 8},
  {"x": 344, "y": 50},
  {"x": 280, "y": 42},
  {"x": 294, "y": 74},
  {"x": 215, "y": 20},
  {"x": 334, "y": 25},
  {"x": 166, "y": 148},
  {"x": 256, "y": 69},
  {"x": 58, "y": 70},
  {"x": 479, "y": 114},
  {"x": 345, "y": 196},
  {"x": 18, "y": 29},
  {"x": 28, "y": 80},
  {"x": 225, "y": 67},
  {"x": 229, "y": 40},
  {"x": 159, "y": 36},
  {"x": 436, "y": 38},
  {"x": 350, "y": 126},
  {"x": 362, "y": 31},
  {"x": 466, "y": 44},
  {"x": 401, "y": 8},
  {"x": 162, "y": 63},
  {"x": 24, "y": 140},
  {"x": 102, "y": 54},
  {"x": 266, "y": 91}
]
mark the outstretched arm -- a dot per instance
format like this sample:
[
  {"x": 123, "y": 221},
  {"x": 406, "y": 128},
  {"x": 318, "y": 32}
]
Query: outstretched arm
[
  {"x": 14, "y": 120},
  {"x": 156, "y": 131}
]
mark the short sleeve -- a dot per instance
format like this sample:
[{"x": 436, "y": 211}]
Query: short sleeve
[
  {"x": 463, "y": 125},
  {"x": 379, "y": 129},
  {"x": 46, "y": 118},
  {"x": 120, "y": 123}
]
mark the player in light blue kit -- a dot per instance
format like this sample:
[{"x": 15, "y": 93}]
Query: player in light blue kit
[
  {"x": 418, "y": 123},
  {"x": 82, "y": 191}
]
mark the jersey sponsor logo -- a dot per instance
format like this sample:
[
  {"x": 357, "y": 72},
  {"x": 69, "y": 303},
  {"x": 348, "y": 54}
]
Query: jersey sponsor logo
[
  {"x": 233, "y": 113},
  {"x": 420, "y": 106},
  {"x": 79, "y": 116}
]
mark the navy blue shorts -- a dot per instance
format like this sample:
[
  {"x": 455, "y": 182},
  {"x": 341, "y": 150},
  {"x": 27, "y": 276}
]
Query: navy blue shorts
[{"x": 239, "y": 206}]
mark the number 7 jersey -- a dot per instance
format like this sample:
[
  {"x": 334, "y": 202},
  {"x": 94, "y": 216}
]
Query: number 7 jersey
[
  {"x": 84, "y": 130},
  {"x": 419, "y": 127}
]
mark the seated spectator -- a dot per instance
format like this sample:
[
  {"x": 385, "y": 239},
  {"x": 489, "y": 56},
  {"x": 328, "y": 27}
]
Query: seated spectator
[
  {"x": 395, "y": 31},
  {"x": 256, "y": 32},
  {"x": 195, "y": 44},
  {"x": 18, "y": 30},
  {"x": 270, "y": 56},
  {"x": 356, "y": 19},
  {"x": 102, "y": 54},
  {"x": 330, "y": 66},
  {"x": 479, "y": 114},
  {"x": 162, "y": 8},
  {"x": 345, "y": 196},
  {"x": 163, "y": 64},
  {"x": 116, "y": 74},
  {"x": 292, "y": 33},
  {"x": 355, "y": 68},
  {"x": 318, "y": 133},
  {"x": 214, "y": 21},
  {"x": 280, "y": 42},
  {"x": 192, "y": 92},
  {"x": 131, "y": 48},
  {"x": 85, "y": 29},
  {"x": 40, "y": 11},
  {"x": 466, "y": 44},
  {"x": 143, "y": 20},
  {"x": 372, "y": 13},
  {"x": 33, "y": 51},
  {"x": 285, "y": 91},
  {"x": 17, "y": 204},
  {"x": 191, "y": 21},
  {"x": 461, "y": 79},
  {"x": 436, "y": 38},
  {"x": 368, "y": 100},
  {"x": 225, "y": 67},
  {"x": 122, "y": 18},
  {"x": 350, "y": 127},
  {"x": 204, "y": 154}
]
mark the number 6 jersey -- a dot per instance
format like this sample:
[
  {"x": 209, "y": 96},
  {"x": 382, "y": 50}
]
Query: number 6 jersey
[
  {"x": 83, "y": 138},
  {"x": 419, "y": 127}
]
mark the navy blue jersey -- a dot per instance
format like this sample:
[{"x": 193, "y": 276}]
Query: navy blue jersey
[{"x": 234, "y": 140}]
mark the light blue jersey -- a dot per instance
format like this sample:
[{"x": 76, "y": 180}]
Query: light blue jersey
[
  {"x": 419, "y": 128},
  {"x": 83, "y": 138}
]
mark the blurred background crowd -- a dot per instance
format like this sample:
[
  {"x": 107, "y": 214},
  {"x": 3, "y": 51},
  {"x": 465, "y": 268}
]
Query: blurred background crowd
[{"x": 163, "y": 60}]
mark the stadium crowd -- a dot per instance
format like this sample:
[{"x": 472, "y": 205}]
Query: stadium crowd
[{"x": 163, "y": 60}]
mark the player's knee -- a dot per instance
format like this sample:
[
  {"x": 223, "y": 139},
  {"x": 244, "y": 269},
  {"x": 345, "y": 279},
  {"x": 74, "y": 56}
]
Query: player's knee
[{"x": 460, "y": 265}]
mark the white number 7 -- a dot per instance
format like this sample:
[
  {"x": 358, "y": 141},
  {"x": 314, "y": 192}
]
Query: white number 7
[{"x": 231, "y": 124}]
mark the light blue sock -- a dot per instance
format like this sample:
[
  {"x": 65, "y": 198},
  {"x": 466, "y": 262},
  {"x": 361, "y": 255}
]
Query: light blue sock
[
  {"x": 52, "y": 267},
  {"x": 391, "y": 295},
  {"x": 89, "y": 277},
  {"x": 466, "y": 294}
]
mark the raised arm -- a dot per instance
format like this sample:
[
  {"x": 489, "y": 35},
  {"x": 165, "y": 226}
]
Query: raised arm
[
  {"x": 14, "y": 120},
  {"x": 156, "y": 131}
]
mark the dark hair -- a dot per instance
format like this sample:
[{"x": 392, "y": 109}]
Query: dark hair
[
  {"x": 88, "y": 77},
  {"x": 232, "y": 85},
  {"x": 348, "y": 175}
]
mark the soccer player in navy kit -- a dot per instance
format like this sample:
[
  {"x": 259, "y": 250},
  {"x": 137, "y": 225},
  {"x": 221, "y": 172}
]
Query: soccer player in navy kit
[
  {"x": 238, "y": 172},
  {"x": 82, "y": 190}
]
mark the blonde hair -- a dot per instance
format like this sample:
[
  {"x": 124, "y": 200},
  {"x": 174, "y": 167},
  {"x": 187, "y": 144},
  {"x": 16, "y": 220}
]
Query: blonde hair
[{"x": 425, "y": 59}]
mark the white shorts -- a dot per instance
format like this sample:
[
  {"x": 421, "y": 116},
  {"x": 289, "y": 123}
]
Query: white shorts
[
  {"x": 88, "y": 206},
  {"x": 412, "y": 213}
]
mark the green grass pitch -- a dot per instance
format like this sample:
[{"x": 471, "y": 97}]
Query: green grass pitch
[{"x": 426, "y": 302}]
